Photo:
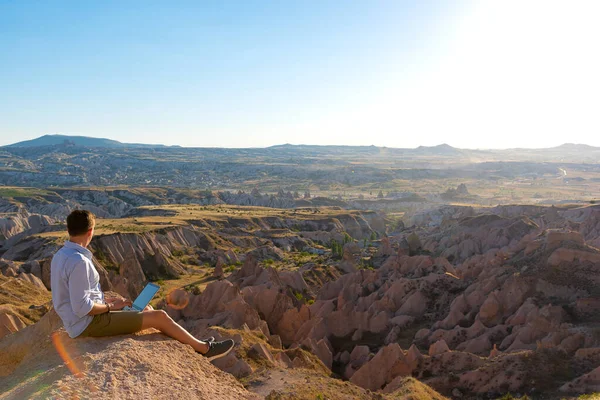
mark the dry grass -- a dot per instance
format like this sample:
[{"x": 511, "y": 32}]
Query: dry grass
[
  {"x": 19, "y": 295},
  {"x": 412, "y": 389},
  {"x": 195, "y": 281},
  {"x": 12, "y": 191},
  {"x": 324, "y": 388},
  {"x": 194, "y": 214}
]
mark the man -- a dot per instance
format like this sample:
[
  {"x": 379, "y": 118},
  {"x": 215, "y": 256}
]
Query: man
[{"x": 84, "y": 309}]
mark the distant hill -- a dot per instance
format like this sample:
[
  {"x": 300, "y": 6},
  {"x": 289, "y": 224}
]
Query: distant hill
[
  {"x": 439, "y": 150},
  {"x": 576, "y": 147},
  {"x": 442, "y": 149},
  {"x": 54, "y": 140}
]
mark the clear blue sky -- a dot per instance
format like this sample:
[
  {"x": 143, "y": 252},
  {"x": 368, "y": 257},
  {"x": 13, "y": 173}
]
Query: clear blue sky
[{"x": 258, "y": 73}]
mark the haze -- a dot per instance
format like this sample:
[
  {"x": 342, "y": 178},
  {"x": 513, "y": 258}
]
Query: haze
[{"x": 251, "y": 74}]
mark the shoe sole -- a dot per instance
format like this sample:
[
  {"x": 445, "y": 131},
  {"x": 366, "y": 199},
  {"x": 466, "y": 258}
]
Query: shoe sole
[{"x": 220, "y": 355}]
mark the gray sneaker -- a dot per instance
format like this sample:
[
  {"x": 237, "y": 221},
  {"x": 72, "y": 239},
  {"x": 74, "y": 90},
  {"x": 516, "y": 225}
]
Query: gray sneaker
[{"x": 219, "y": 349}]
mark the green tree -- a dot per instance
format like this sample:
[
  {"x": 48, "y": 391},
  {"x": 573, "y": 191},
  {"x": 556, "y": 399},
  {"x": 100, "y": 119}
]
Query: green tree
[{"x": 347, "y": 238}]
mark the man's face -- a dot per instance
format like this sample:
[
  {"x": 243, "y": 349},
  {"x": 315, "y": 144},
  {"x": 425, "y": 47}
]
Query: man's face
[{"x": 90, "y": 234}]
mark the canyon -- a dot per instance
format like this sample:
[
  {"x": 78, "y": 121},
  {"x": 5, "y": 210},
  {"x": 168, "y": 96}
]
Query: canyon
[{"x": 468, "y": 301}]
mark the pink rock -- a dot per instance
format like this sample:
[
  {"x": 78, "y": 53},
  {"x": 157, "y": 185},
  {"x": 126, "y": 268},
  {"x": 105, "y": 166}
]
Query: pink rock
[
  {"x": 479, "y": 345},
  {"x": 451, "y": 320},
  {"x": 476, "y": 329},
  {"x": 357, "y": 335},
  {"x": 388, "y": 363},
  {"x": 413, "y": 356},
  {"x": 588, "y": 306},
  {"x": 275, "y": 341},
  {"x": 520, "y": 316},
  {"x": 231, "y": 364},
  {"x": 587, "y": 383},
  {"x": 421, "y": 334},
  {"x": 475, "y": 299},
  {"x": 290, "y": 322},
  {"x": 572, "y": 343},
  {"x": 402, "y": 321},
  {"x": 34, "y": 280},
  {"x": 259, "y": 350},
  {"x": 489, "y": 313},
  {"x": 345, "y": 357},
  {"x": 218, "y": 271},
  {"x": 379, "y": 323},
  {"x": 494, "y": 352},
  {"x": 284, "y": 360},
  {"x": 555, "y": 238},
  {"x": 438, "y": 347},
  {"x": 360, "y": 355},
  {"x": 415, "y": 305},
  {"x": 398, "y": 290},
  {"x": 324, "y": 353},
  {"x": 385, "y": 250},
  {"x": 563, "y": 255},
  {"x": 9, "y": 322}
]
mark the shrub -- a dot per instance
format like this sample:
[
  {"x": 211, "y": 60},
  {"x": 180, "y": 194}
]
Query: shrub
[
  {"x": 229, "y": 268},
  {"x": 177, "y": 253}
]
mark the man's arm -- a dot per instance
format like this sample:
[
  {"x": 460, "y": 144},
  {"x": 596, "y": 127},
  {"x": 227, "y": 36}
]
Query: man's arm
[
  {"x": 98, "y": 308},
  {"x": 115, "y": 305},
  {"x": 79, "y": 289}
]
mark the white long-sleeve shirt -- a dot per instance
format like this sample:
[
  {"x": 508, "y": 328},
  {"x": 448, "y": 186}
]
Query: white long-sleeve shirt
[{"x": 75, "y": 285}]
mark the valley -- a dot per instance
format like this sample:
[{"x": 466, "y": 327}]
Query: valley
[
  {"x": 469, "y": 300},
  {"x": 371, "y": 273}
]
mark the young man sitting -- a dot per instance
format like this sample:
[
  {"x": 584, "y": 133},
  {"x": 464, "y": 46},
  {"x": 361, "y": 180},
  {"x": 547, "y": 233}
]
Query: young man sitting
[{"x": 84, "y": 309}]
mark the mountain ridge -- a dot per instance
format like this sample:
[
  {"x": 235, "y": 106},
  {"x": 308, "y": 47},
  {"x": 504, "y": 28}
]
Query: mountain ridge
[
  {"x": 88, "y": 141},
  {"x": 85, "y": 141}
]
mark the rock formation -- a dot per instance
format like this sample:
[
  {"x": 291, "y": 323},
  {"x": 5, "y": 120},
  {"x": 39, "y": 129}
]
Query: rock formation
[
  {"x": 144, "y": 365},
  {"x": 485, "y": 303}
]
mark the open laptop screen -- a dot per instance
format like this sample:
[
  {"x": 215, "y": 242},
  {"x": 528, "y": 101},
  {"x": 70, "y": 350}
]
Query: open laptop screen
[{"x": 144, "y": 298}]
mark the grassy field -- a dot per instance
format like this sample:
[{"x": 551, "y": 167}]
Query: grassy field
[
  {"x": 12, "y": 192},
  {"x": 187, "y": 214},
  {"x": 195, "y": 283}
]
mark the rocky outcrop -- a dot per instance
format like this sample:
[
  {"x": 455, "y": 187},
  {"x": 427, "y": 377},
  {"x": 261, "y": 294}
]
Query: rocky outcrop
[
  {"x": 144, "y": 365},
  {"x": 10, "y": 322},
  {"x": 387, "y": 364},
  {"x": 31, "y": 248},
  {"x": 587, "y": 383},
  {"x": 479, "y": 299},
  {"x": 13, "y": 224}
]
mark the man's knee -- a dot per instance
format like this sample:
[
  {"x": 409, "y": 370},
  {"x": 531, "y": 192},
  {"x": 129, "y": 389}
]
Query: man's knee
[
  {"x": 156, "y": 317},
  {"x": 162, "y": 314}
]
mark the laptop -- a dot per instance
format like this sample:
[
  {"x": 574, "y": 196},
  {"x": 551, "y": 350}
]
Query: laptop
[{"x": 144, "y": 298}]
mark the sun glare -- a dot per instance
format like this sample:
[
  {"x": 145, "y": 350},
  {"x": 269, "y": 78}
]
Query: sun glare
[{"x": 510, "y": 74}]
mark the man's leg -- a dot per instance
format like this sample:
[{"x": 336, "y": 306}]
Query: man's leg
[
  {"x": 208, "y": 339},
  {"x": 124, "y": 322},
  {"x": 160, "y": 320}
]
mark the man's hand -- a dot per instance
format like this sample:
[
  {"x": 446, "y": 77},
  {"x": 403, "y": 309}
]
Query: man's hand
[{"x": 119, "y": 304}]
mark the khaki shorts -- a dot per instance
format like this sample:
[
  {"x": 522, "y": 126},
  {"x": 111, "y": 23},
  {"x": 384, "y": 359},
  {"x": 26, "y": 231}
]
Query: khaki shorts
[{"x": 114, "y": 323}]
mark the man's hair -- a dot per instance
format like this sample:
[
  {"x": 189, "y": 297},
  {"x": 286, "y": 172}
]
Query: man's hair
[{"x": 79, "y": 222}]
